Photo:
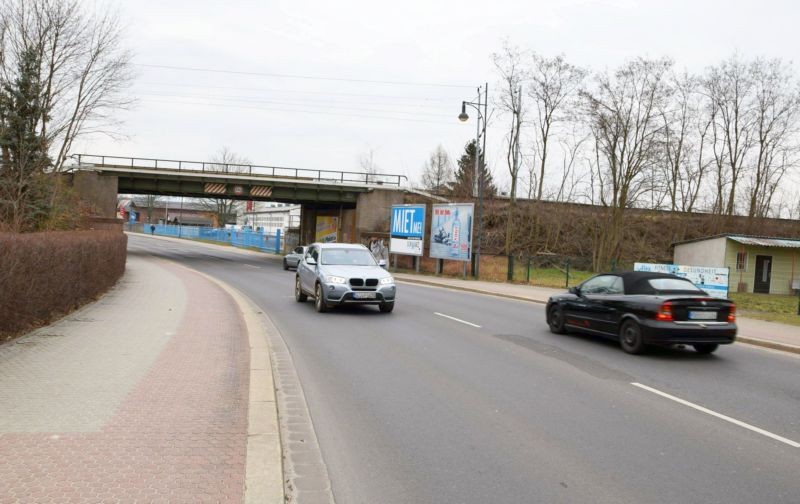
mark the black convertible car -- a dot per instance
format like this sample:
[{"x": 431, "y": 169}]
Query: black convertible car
[{"x": 641, "y": 308}]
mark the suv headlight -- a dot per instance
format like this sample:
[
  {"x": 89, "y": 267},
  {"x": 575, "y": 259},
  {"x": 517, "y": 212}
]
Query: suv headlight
[
  {"x": 336, "y": 279},
  {"x": 387, "y": 281}
]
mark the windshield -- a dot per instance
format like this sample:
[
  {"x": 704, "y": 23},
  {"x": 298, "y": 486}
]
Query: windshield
[
  {"x": 350, "y": 257},
  {"x": 673, "y": 284}
]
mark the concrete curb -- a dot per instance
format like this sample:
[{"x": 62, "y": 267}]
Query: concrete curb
[
  {"x": 768, "y": 344},
  {"x": 264, "y": 459}
]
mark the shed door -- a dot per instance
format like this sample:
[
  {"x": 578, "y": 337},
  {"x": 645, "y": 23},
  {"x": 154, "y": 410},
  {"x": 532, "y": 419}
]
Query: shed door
[{"x": 763, "y": 274}]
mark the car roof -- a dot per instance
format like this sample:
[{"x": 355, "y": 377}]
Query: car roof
[{"x": 636, "y": 282}]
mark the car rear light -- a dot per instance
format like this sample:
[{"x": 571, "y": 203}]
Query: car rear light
[
  {"x": 664, "y": 312},
  {"x": 732, "y": 313}
]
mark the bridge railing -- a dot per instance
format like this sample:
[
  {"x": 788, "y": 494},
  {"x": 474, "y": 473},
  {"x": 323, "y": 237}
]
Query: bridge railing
[{"x": 330, "y": 176}]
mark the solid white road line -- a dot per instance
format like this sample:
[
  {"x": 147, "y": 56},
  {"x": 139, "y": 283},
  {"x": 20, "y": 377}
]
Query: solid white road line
[
  {"x": 719, "y": 415},
  {"x": 457, "y": 320}
]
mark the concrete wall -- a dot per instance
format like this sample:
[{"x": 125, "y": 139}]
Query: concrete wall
[
  {"x": 99, "y": 191},
  {"x": 374, "y": 210},
  {"x": 785, "y": 267},
  {"x": 701, "y": 253}
]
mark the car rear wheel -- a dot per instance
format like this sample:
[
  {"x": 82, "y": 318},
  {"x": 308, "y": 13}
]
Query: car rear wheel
[
  {"x": 319, "y": 301},
  {"x": 705, "y": 348},
  {"x": 299, "y": 296},
  {"x": 386, "y": 307},
  {"x": 630, "y": 337},
  {"x": 285, "y": 265},
  {"x": 556, "y": 320}
]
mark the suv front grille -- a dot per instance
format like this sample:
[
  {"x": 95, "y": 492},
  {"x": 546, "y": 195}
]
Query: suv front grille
[{"x": 358, "y": 284}]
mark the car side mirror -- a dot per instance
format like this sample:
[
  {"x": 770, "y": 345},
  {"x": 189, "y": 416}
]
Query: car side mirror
[
  {"x": 575, "y": 290},
  {"x": 382, "y": 263},
  {"x": 310, "y": 260}
]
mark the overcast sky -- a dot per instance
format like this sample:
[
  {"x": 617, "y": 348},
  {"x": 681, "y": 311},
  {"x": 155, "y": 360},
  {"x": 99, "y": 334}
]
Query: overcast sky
[{"x": 428, "y": 55}]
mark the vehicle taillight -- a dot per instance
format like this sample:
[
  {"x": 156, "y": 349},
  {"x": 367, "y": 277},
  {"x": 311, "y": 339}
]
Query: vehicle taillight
[
  {"x": 665, "y": 312},
  {"x": 732, "y": 313}
]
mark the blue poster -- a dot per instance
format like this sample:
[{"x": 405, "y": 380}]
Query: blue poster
[{"x": 451, "y": 231}]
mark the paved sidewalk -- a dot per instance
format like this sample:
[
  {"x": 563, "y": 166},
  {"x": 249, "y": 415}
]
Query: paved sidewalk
[
  {"x": 756, "y": 332},
  {"x": 139, "y": 397}
]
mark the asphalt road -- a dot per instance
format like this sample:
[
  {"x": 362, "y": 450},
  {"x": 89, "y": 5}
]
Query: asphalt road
[{"x": 419, "y": 406}]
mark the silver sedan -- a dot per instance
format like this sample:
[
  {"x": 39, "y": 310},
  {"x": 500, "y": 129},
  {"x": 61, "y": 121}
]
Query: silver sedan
[{"x": 293, "y": 258}]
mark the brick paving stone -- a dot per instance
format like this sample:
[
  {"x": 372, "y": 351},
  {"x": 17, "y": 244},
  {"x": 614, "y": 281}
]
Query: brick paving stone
[{"x": 162, "y": 418}]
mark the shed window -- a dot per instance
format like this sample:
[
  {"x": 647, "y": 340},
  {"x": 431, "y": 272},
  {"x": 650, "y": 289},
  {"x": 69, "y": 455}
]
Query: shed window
[{"x": 741, "y": 261}]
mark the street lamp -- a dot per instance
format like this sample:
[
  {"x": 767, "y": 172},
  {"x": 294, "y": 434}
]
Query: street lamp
[{"x": 477, "y": 184}]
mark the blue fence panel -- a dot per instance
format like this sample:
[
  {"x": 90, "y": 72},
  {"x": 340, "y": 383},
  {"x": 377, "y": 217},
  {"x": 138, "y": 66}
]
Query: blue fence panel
[{"x": 236, "y": 237}]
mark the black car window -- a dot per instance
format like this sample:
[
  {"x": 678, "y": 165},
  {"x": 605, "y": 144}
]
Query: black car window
[
  {"x": 673, "y": 285},
  {"x": 313, "y": 252},
  {"x": 603, "y": 284},
  {"x": 617, "y": 287},
  {"x": 298, "y": 250}
]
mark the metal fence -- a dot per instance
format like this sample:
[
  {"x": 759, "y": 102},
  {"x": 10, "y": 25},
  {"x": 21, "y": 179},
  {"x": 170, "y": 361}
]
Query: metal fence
[
  {"x": 237, "y": 237},
  {"x": 331, "y": 176}
]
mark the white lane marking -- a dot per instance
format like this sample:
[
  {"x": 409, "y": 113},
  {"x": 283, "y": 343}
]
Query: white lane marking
[
  {"x": 252, "y": 266},
  {"x": 719, "y": 415},
  {"x": 457, "y": 320}
]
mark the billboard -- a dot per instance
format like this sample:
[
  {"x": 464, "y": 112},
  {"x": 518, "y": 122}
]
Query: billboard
[
  {"x": 710, "y": 279},
  {"x": 407, "y": 230},
  {"x": 326, "y": 230},
  {"x": 451, "y": 231}
]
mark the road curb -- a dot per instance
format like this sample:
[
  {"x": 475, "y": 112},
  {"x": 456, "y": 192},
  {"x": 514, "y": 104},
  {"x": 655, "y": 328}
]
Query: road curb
[
  {"x": 768, "y": 344},
  {"x": 264, "y": 472}
]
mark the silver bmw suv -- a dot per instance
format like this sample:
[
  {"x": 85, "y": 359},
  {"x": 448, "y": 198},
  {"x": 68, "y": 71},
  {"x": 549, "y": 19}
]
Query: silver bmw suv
[{"x": 340, "y": 273}]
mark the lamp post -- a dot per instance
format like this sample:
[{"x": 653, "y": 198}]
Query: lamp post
[{"x": 477, "y": 183}]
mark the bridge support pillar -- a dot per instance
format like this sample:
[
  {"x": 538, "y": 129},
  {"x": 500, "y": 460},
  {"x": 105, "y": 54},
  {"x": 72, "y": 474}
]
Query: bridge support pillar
[{"x": 98, "y": 191}]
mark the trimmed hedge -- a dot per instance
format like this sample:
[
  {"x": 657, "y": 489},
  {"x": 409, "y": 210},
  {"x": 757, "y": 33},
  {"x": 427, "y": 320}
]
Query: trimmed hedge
[{"x": 44, "y": 276}]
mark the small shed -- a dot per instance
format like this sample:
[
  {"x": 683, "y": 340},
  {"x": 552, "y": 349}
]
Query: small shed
[{"x": 757, "y": 263}]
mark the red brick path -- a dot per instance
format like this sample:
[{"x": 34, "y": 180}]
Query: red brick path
[{"x": 179, "y": 436}]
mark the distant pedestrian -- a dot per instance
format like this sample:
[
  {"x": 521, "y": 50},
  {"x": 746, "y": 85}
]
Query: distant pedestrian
[{"x": 152, "y": 229}]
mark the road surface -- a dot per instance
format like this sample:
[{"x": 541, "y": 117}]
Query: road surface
[{"x": 463, "y": 398}]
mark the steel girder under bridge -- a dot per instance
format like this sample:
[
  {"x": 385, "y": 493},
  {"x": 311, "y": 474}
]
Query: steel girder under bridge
[{"x": 200, "y": 179}]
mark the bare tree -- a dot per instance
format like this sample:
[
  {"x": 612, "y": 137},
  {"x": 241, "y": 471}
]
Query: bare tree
[
  {"x": 83, "y": 67},
  {"x": 62, "y": 72},
  {"x": 224, "y": 209},
  {"x": 367, "y": 164},
  {"x": 149, "y": 203},
  {"x": 776, "y": 107},
  {"x": 623, "y": 111},
  {"x": 729, "y": 87},
  {"x": 437, "y": 174},
  {"x": 512, "y": 76},
  {"x": 553, "y": 84}
]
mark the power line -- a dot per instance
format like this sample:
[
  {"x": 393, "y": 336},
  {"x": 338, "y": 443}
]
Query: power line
[
  {"x": 307, "y": 77},
  {"x": 318, "y": 112},
  {"x": 275, "y": 90},
  {"x": 323, "y": 104}
]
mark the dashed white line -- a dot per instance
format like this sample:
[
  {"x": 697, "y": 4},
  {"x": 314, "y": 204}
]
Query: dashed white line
[
  {"x": 719, "y": 415},
  {"x": 457, "y": 320}
]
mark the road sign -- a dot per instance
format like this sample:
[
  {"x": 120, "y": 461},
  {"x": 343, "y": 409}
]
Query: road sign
[{"x": 407, "y": 230}]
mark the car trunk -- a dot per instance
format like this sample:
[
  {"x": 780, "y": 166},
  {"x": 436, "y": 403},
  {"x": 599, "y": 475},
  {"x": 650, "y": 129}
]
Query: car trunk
[{"x": 691, "y": 309}]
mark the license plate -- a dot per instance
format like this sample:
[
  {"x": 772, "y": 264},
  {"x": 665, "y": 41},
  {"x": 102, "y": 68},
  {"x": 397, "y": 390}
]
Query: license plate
[
  {"x": 703, "y": 315},
  {"x": 363, "y": 295}
]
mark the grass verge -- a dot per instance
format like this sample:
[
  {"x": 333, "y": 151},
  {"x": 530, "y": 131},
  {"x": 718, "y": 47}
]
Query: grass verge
[{"x": 770, "y": 307}]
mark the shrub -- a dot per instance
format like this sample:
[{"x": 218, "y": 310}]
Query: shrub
[{"x": 46, "y": 275}]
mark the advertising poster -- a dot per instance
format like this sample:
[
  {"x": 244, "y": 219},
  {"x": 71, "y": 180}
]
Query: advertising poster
[
  {"x": 710, "y": 279},
  {"x": 326, "y": 228},
  {"x": 451, "y": 231},
  {"x": 407, "y": 230}
]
